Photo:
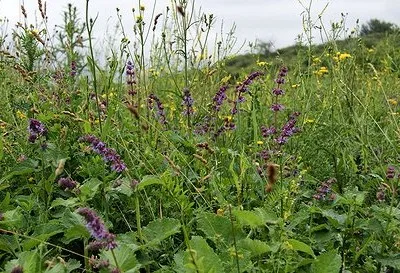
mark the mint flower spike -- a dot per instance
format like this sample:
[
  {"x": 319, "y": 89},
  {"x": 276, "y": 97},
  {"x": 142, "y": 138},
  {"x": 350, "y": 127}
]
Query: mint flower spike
[{"x": 97, "y": 229}]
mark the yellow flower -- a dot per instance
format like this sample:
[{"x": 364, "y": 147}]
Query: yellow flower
[
  {"x": 260, "y": 142},
  {"x": 142, "y": 8},
  {"x": 370, "y": 50},
  {"x": 316, "y": 60},
  {"x": 392, "y": 102},
  {"x": 344, "y": 56},
  {"x": 296, "y": 85},
  {"x": 21, "y": 115},
  {"x": 308, "y": 120},
  {"x": 262, "y": 64}
]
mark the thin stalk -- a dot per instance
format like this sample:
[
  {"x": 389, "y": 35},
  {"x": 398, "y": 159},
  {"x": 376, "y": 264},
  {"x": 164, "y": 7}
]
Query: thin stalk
[
  {"x": 234, "y": 239},
  {"x": 138, "y": 224},
  {"x": 89, "y": 27}
]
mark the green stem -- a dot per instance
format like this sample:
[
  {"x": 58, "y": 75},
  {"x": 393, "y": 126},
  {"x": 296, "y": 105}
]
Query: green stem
[
  {"x": 138, "y": 224},
  {"x": 89, "y": 27},
  {"x": 115, "y": 260},
  {"x": 234, "y": 239}
]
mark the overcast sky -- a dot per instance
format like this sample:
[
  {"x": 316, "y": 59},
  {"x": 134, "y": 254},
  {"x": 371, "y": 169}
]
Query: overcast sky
[{"x": 267, "y": 20}]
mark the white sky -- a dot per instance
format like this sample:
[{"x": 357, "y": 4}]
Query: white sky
[{"x": 278, "y": 21}]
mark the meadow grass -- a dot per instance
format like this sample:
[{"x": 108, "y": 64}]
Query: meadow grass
[{"x": 173, "y": 160}]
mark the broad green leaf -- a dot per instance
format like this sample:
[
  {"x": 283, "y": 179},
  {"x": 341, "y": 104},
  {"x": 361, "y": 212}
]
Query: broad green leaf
[
  {"x": 329, "y": 262},
  {"x": 126, "y": 259},
  {"x": 69, "y": 203},
  {"x": 26, "y": 167},
  {"x": 255, "y": 247},
  {"x": 161, "y": 229},
  {"x": 256, "y": 218},
  {"x": 202, "y": 258},
  {"x": 393, "y": 262},
  {"x": 215, "y": 227},
  {"x": 42, "y": 233},
  {"x": 149, "y": 180},
  {"x": 64, "y": 267},
  {"x": 90, "y": 188},
  {"x": 336, "y": 219},
  {"x": 300, "y": 246}
]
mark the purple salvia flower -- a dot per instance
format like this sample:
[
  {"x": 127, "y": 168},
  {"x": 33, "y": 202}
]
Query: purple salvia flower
[
  {"x": 219, "y": 98},
  {"x": 390, "y": 172},
  {"x": 187, "y": 102},
  {"x": 160, "y": 108},
  {"x": 277, "y": 107},
  {"x": 73, "y": 69},
  {"x": 268, "y": 131},
  {"x": 97, "y": 229},
  {"x": 109, "y": 155},
  {"x": 93, "y": 223},
  {"x": 67, "y": 183},
  {"x": 278, "y": 91},
  {"x": 36, "y": 129}
]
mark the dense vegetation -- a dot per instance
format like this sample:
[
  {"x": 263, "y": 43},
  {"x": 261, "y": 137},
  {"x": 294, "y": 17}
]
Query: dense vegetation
[{"x": 183, "y": 159}]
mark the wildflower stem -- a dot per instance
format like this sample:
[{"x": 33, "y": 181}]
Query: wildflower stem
[
  {"x": 234, "y": 238},
  {"x": 138, "y": 224},
  {"x": 89, "y": 27},
  {"x": 115, "y": 260}
]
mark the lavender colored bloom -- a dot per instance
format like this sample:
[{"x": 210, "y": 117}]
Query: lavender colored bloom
[
  {"x": 97, "y": 229},
  {"x": 324, "y": 190},
  {"x": 36, "y": 129},
  {"x": 160, "y": 108},
  {"x": 268, "y": 131},
  {"x": 109, "y": 155},
  {"x": 130, "y": 73},
  {"x": 67, "y": 183},
  {"x": 288, "y": 129},
  {"x": 278, "y": 91},
  {"x": 390, "y": 172},
  {"x": 243, "y": 87},
  {"x": 277, "y": 107},
  {"x": 187, "y": 102},
  {"x": 73, "y": 69},
  {"x": 219, "y": 98}
]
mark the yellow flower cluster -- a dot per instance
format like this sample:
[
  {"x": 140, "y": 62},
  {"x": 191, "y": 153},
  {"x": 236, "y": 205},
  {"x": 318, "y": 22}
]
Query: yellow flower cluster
[
  {"x": 322, "y": 71},
  {"x": 341, "y": 56}
]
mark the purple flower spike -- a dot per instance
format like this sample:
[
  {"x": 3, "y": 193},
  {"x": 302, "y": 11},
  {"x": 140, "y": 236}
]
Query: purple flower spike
[
  {"x": 277, "y": 107},
  {"x": 36, "y": 129},
  {"x": 97, "y": 229},
  {"x": 187, "y": 102},
  {"x": 109, "y": 155}
]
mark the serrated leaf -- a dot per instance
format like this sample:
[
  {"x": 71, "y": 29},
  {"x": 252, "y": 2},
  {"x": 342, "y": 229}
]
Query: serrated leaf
[
  {"x": 256, "y": 218},
  {"x": 89, "y": 188},
  {"x": 393, "y": 262},
  {"x": 336, "y": 219},
  {"x": 300, "y": 246},
  {"x": 215, "y": 227},
  {"x": 329, "y": 262},
  {"x": 149, "y": 180},
  {"x": 255, "y": 247},
  {"x": 126, "y": 259},
  {"x": 26, "y": 167},
  {"x": 161, "y": 229},
  {"x": 69, "y": 203},
  {"x": 205, "y": 260}
]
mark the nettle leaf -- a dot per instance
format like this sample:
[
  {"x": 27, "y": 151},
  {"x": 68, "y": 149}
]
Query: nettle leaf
[
  {"x": 149, "y": 180},
  {"x": 215, "y": 227},
  {"x": 329, "y": 262},
  {"x": 161, "y": 229},
  {"x": 202, "y": 258},
  {"x": 90, "y": 188},
  {"x": 29, "y": 260},
  {"x": 69, "y": 203},
  {"x": 256, "y": 218},
  {"x": 299, "y": 246},
  {"x": 64, "y": 267},
  {"x": 393, "y": 262},
  {"x": 12, "y": 219},
  {"x": 24, "y": 168},
  {"x": 335, "y": 219},
  {"x": 255, "y": 247},
  {"x": 42, "y": 233},
  {"x": 125, "y": 257}
]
